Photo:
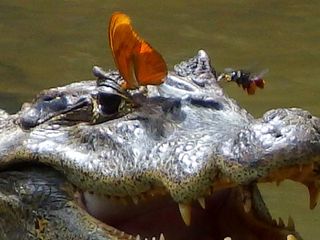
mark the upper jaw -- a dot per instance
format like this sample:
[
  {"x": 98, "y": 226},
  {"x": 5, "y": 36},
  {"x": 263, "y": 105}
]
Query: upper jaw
[
  {"x": 289, "y": 138},
  {"x": 281, "y": 138},
  {"x": 72, "y": 104}
]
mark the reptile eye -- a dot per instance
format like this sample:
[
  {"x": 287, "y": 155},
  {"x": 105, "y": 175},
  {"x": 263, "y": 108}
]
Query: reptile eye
[{"x": 109, "y": 104}]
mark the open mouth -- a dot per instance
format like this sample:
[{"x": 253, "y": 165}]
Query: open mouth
[
  {"x": 225, "y": 215},
  {"x": 226, "y": 212}
]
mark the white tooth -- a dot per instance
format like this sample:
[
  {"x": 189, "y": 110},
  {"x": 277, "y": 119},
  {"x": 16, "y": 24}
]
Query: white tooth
[
  {"x": 202, "y": 202},
  {"x": 185, "y": 211},
  {"x": 227, "y": 238},
  {"x": 138, "y": 237},
  {"x": 161, "y": 237},
  {"x": 153, "y": 238},
  {"x": 135, "y": 200},
  {"x": 246, "y": 199},
  {"x": 291, "y": 237},
  {"x": 291, "y": 224},
  {"x": 247, "y": 205}
]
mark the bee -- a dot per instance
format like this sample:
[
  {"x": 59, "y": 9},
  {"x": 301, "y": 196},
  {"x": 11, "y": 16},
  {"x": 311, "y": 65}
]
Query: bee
[{"x": 248, "y": 81}]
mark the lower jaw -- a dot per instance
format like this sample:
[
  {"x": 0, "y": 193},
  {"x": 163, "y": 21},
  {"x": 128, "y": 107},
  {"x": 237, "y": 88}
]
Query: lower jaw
[{"x": 224, "y": 216}]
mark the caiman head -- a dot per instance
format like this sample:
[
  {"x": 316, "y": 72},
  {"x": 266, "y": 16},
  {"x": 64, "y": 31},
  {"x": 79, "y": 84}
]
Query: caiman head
[{"x": 176, "y": 161}]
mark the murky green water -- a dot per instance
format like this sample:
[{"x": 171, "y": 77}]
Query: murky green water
[{"x": 49, "y": 43}]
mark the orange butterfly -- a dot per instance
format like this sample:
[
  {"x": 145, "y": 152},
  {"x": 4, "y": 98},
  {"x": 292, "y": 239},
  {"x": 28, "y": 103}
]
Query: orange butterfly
[{"x": 138, "y": 63}]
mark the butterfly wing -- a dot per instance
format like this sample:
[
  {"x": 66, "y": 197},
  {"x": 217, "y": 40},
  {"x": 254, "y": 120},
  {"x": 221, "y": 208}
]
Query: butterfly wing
[
  {"x": 150, "y": 68},
  {"x": 138, "y": 63},
  {"x": 122, "y": 43}
]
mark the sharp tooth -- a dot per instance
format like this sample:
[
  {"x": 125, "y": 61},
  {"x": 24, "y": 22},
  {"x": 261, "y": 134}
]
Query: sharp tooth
[
  {"x": 313, "y": 195},
  {"x": 202, "y": 202},
  {"x": 246, "y": 198},
  {"x": 135, "y": 200},
  {"x": 281, "y": 223},
  {"x": 138, "y": 237},
  {"x": 291, "y": 226},
  {"x": 227, "y": 238},
  {"x": 185, "y": 211},
  {"x": 291, "y": 237},
  {"x": 247, "y": 205},
  {"x": 161, "y": 237}
]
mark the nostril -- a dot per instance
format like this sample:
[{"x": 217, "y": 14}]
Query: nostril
[
  {"x": 29, "y": 119},
  {"x": 278, "y": 135}
]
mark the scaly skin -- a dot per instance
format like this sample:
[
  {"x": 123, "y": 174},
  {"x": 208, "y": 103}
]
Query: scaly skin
[
  {"x": 38, "y": 204},
  {"x": 184, "y": 138}
]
